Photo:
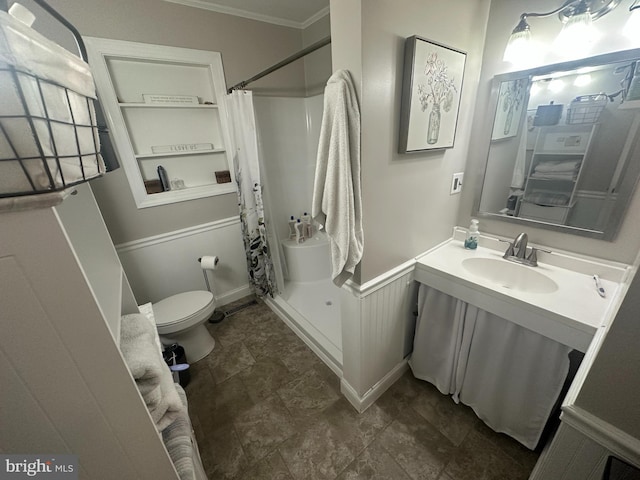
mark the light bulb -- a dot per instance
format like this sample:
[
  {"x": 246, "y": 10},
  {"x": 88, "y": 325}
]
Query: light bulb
[
  {"x": 576, "y": 36},
  {"x": 519, "y": 42},
  {"x": 556, "y": 85},
  {"x": 582, "y": 80},
  {"x": 535, "y": 89},
  {"x": 631, "y": 29}
]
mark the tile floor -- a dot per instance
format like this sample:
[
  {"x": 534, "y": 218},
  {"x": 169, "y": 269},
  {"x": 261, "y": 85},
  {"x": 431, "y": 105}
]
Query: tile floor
[{"x": 265, "y": 407}]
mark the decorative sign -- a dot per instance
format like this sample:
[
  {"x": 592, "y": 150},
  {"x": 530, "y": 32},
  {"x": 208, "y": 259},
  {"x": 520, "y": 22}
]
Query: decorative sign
[
  {"x": 170, "y": 99},
  {"x": 182, "y": 148}
]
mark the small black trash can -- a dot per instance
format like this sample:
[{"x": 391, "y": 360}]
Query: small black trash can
[{"x": 175, "y": 355}]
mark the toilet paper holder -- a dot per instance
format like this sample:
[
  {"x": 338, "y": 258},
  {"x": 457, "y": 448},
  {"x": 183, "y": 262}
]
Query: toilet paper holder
[{"x": 210, "y": 263}]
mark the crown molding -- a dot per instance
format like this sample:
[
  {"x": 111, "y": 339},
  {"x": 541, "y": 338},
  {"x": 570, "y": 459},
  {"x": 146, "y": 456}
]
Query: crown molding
[{"x": 214, "y": 7}]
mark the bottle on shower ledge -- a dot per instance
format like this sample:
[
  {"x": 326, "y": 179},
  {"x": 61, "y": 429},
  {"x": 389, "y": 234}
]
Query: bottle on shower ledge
[
  {"x": 471, "y": 242},
  {"x": 292, "y": 228},
  {"x": 307, "y": 226},
  {"x": 299, "y": 233}
]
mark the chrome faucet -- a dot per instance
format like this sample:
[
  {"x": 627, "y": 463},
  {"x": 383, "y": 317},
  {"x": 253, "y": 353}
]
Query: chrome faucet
[
  {"x": 520, "y": 245},
  {"x": 517, "y": 251}
]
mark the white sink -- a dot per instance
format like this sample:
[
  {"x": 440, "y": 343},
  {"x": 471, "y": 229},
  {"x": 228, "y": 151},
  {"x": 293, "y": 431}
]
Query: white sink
[
  {"x": 510, "y": 275},
  {"x": 557, "y": 299}
]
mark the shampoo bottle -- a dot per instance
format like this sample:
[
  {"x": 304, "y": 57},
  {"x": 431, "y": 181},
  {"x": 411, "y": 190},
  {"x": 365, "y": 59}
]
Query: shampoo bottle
[
  {"x": 471, "y": 242},
  {"x": 307, "y": 228},
  {"x": 292, "y": 228},
  {"x": 299, "y": 235}
]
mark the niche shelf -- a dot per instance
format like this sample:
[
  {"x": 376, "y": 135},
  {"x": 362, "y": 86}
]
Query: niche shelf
[{"x": 182, "y": 128}]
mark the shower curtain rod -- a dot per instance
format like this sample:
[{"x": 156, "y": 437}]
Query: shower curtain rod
[{"x": 286, "y": 61}]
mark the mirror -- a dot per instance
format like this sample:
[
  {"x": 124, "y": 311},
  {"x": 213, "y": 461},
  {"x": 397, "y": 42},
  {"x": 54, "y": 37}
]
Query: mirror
[{"x": 563, "y": 146}]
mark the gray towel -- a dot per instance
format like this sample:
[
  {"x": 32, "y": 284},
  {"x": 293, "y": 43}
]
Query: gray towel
[
  {"x": 139, "y": 351},
  {"x": 151, "y": 374},
  {"x": 177, "y": 439}
]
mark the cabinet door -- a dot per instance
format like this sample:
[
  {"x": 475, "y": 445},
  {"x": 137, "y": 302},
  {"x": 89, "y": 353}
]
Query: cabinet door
[{"x": 166, "y": 108}]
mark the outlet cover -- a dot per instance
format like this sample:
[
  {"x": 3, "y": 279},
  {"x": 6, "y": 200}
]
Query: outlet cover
[{"x": 456, "y": 183}]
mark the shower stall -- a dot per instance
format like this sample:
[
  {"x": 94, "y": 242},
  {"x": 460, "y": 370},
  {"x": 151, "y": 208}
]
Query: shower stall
[{"x": 288, "y": 132}]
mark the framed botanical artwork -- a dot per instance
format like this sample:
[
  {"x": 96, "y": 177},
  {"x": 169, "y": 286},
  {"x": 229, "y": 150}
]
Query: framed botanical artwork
[
  {"x": 509, "y": 111},
  {"x": 431, "y": 87}
]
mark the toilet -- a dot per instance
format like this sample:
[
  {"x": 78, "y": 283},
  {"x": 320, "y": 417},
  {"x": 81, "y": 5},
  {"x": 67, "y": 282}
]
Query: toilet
[{"x": 181, "y": 318}]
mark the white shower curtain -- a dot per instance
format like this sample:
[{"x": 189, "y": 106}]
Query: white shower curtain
[{"x": 252, "y": 217}]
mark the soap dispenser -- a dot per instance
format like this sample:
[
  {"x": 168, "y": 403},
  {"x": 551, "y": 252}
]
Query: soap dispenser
[{"x": 471, "y": 242}]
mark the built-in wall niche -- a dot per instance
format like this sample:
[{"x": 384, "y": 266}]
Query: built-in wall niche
[{"x": 165, "y": 107}]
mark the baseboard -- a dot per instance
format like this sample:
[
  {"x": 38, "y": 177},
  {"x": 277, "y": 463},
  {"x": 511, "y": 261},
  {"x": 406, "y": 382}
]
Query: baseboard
[
  {"x": 235, "y": 294},
  {"x": 361, "y": 403}
]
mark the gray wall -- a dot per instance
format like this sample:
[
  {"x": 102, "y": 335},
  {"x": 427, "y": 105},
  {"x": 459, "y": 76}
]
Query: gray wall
[
  {"x": 317, "y": 65},
  {"x": 503, "y": 17},
  {"x": 247, "y": 47},
  {"x": 612, "y": 387},
  {"x": 406, "y": 201}
]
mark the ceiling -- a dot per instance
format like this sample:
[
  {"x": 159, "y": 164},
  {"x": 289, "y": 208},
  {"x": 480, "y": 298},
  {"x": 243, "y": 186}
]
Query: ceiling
[{"x": 289, "y": 13}]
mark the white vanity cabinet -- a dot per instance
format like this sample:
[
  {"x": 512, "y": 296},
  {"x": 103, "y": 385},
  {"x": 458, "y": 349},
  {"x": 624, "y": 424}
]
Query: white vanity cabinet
[
  {"x": 558, "y": 158},
  {"x": 65, "y": 387},
  {"x": 165, "y": 107}
]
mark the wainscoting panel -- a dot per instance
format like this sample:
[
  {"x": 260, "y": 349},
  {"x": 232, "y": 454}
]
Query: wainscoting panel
[
  {"x": 163, "y": 265},
  {"x": 385, "y": 314},
  {"x": 571, "y": 456},
  {"x": 377, "y": 330}
]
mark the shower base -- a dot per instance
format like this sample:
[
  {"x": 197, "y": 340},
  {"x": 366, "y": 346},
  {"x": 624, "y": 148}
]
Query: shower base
[{"x": 312, "y": 310}]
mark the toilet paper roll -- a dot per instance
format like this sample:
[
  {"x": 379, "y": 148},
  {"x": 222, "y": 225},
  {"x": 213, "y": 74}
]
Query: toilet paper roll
[{"x": 209, "y": 262}]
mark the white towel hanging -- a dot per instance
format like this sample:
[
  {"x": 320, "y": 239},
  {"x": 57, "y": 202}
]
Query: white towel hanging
[{"x": 337, "y": 200}]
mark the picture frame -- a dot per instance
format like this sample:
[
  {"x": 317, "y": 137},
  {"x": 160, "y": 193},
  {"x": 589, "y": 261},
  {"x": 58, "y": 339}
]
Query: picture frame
[
  {"x": 431, "y": 88},
  {"x": 511, "y": 106}
]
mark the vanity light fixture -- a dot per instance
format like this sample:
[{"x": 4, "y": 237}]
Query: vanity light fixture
[
  {"x": 577, "y": 32},
  {"x": 577, "y": 17}
]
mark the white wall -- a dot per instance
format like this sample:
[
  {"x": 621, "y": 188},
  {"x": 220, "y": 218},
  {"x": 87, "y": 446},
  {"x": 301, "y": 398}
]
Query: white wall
[
  {"x": 164, "y": 265},
  {"x": 612, "y": 387},
  {"x": 407, "y": 207},
  {"x": 502, "y": 19},
  {"x": 65, "y": 386},
  {"x": 288, "y": 131},
  {"x": 317, "y": 65}
]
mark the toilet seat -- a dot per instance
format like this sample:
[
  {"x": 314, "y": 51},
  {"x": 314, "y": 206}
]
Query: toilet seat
[{"x": 183, "y": 310}]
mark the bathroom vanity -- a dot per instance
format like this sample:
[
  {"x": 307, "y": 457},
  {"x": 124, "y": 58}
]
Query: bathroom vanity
[
  {"x": 496, "y": 334},
  {"x": 557, "y": 299}
]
